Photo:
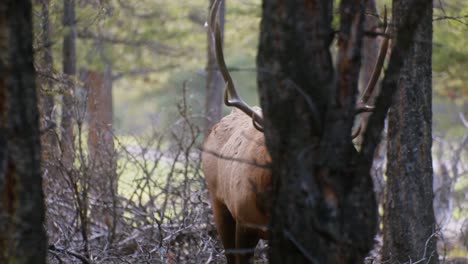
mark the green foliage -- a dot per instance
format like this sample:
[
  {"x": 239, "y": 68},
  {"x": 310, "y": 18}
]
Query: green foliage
[
  {"x": 158, "y": 45},
  {"x": 152, "y": 99},
  {"x": 450, "y": 52}
]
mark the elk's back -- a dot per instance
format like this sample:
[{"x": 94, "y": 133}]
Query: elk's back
[{"x": 233, "y": 162}]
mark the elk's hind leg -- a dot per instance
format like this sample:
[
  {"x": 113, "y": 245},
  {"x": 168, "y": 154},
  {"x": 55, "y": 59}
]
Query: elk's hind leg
[
  {"x": 226, "y": 227},
  {"x": 246, "y": 241}
]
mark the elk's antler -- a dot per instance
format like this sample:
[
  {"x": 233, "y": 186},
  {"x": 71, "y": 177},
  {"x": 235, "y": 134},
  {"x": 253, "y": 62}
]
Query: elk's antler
[
  {"x": 230, "y": 89},
  {"x": 362, "y": 105}
]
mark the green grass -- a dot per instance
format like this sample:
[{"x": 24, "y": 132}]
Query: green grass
[{"x": 163, "y": 180}]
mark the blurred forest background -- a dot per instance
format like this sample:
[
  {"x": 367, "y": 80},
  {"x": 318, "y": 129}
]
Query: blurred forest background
[
  {"x": 156, "y": 46},
  {"x": 152, "y": 57}
]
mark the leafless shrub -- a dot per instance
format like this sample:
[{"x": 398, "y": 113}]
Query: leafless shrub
[
  {"x": 148, "y": 204},
  {"x": 450, "y": 202}
]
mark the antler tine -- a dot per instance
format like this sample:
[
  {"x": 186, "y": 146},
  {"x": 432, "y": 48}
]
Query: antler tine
[
  {"x": 362, "y": 104},
  {"x": 229, "y": 88},
  {"x": 213, "y": 13},
  {"x": 357, "y": 132}
]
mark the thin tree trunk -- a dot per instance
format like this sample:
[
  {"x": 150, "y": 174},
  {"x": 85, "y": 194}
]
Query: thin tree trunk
[
  {"x": 99, "y": 110},
  {"x": 409, "y": 222},
  {"x": 22, "y": 235},
  {"x": 49, "y": 139},
  {"x": 102, "y": 156},
  {"x": 69, "y": 69},
  {"x": 52, "y": 180},
  {"x": 214, "y": 81},
  {"x": 101, "y": 148}
]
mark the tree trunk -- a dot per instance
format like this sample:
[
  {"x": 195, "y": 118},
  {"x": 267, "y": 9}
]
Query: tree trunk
[
  {"x": 409, "y": 223},
  {"x": 101, "y": 148},
  {"x": 324, "y": 208},
  {"x": 52, "y": 179},
  {"x": 22, "y": 235},
  {"x": 69, "y": 69},
  {"x": 48, "y": 138},
  {"x": 99, "y": 111},
  {"x": 214, "y": 80},
  {"x": 308, "y": 124}
]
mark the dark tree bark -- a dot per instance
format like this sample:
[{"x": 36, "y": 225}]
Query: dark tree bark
[
  {"x": 69, "y": 69},
  {"x": 22, "y": 235},
  {"x": 321, "y": 212},
  {"x": 409, "y": 223},
  {"x": 214, "y": 80},
  {"x": 324, "y": 208}
]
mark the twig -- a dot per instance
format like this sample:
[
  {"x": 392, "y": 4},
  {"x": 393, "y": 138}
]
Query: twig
[
  {"x": 454, "y": 18},
  {"x": 463, "y": 119},
  {"x": 153, "y": 45},
  {"x": 142, "y": 71},
  {"x": 74, "y": 254}
]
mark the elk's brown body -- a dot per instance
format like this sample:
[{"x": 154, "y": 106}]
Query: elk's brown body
[{"x": 234, "y": 162}]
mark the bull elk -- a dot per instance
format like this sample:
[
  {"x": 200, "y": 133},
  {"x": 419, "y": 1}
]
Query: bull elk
[{"x": 234, "y": 163}]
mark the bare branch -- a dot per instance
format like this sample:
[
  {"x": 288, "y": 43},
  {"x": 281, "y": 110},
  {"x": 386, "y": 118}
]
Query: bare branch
[
  {"x": 142, "y": 71},
  {"x": 155, "y": 46},
  {"x": 65, "y": 251},
  {"x": 463, "y": 119},
  {"x": 458, "y": 19}
]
